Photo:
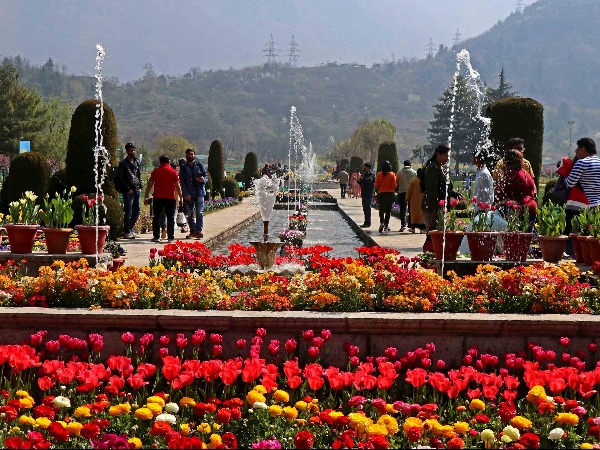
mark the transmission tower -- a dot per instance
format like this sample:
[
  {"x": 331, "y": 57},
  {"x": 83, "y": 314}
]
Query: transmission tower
[
  {"x": 457, "y": 39},
  {"x": 271, "y": 52},
  {"x": 294, "y": 53},
  {"x": 519, "y": 6},
  {"x": 429, "y": 48}
]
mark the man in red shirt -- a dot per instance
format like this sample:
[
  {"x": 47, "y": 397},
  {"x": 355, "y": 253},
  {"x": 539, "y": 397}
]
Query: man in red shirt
[{"x": 165, "y": 181}]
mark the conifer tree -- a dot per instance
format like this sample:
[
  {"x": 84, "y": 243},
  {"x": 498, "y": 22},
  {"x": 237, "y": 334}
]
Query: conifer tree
[
  {"x": 504, "y": 90},
  {"x": 466, "y": 128}
]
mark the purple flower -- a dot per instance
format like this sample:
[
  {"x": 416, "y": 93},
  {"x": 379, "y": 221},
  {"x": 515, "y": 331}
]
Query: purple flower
[
  {"x": 267, "y": 443},
  {"x": 109, "y": 440}
]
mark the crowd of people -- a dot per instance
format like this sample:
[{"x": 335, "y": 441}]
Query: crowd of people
[{"x": 419, "y": 194}]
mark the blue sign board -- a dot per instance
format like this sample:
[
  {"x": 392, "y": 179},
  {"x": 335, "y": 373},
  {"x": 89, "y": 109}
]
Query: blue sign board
[{"x": 24, "y": 146}]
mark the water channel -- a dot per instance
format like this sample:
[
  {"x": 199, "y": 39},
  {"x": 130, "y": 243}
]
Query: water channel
[{"x": 325, "y": 227}]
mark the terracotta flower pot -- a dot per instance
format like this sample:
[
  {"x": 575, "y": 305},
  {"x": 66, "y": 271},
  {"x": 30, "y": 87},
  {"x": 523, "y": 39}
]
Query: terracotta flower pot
[
  {"x": 21, "y": 237},
  {"x": 482, "y": 245},
  {"x": 448, "y": 251},
  {"x": 57, "y": 240},
  {"x": 595, "y": 249},
  {"x": 516, "y": 245},
  {"x": 576, "y": 247},
  {"x": 116, "y": 263},
  {"x": 553, "y": 247},
  {"x": 90, "y": 241},
  {"x": 586, "y": 249}
]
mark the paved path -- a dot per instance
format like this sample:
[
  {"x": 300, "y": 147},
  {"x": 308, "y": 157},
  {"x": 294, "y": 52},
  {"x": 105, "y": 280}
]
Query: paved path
[{"x": 224, "y": 223}]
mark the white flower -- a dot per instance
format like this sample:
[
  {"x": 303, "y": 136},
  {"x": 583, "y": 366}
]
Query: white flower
[
  {"x": 260, "y": 405},
  {"x": 487, "y": 435},
  {"x": 172, "y": 408},
  {"x": 165, "y": 417},
  {"x": 511, "y": 432},
  {"x": 61, "y": 402},
  {"x": 556, "y": 434}
]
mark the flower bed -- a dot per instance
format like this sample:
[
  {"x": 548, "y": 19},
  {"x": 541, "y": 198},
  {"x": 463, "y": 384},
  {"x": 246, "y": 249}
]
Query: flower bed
[
  {"x": 56, "y": 392},
  {"x": 188, "y": 276}
]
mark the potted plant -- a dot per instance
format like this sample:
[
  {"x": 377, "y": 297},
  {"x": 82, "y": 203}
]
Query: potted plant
[
  {"x": 56, "y": 215},
  {"x": 91, "y": 235},
  {"x": 551, "y": 222},
  {"x": 117, "y": 252},
  {"x": 482, "y": 240},
  {"x": 517, "y": 238},
  {"x": 585, "y": 222},
  {"x": 448, "y": 236},
  {"x": 292, "y": 237},
  {"x": 24, "y": 226}
]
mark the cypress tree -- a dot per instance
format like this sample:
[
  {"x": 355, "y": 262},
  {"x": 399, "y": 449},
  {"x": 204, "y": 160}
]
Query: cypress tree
[
  {"x": 250, "y": 169},
  {"x": 518, "y": 117},
  {"x": 28, "y": 172},
  {"x": 216, "y": 167},
  {"x": 356, "y": 162},
  {"x": 388, "y": 152}
]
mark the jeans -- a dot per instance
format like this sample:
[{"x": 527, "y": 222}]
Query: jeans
[
  {"x": 366, "y": 204},
  {"x": 386, "y": 200},
  {"x": 402, "y": 203},
  {"x": 194, "y": 211},
  {"x": 166, "y": 205},
  {"x": 131, "y": 211},
  {"x": 343, "y": 189}
]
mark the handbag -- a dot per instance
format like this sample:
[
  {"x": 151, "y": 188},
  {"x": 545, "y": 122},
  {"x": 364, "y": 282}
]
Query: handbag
[{"x": 180, "y": 219}]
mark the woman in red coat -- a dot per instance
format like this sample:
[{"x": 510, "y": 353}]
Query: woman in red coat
[{"x": 518, "y": 185}]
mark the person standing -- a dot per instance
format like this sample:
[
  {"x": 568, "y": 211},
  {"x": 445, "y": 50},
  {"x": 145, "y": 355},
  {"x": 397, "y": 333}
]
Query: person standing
[
  {"x": 403, "y": 178},
  {"x": 164, "y": 182},
  {"x": 414, "y": 197},
  {"x": 586, "y": 171},
  {"x": 343, "y": 178},
  {"x": 435, "y": 186},
  {"x": 367, "y": 186},
  {"x": 130, "y": 178},
  {"x": 354, "y": 183},
  {"x": 193, "y": 177},
  {"x": 518, "y": 186},
  {"x": 576, "y": 200},
  {"x": 518, "y": 145},
  {"x": 385, "y": 184}
]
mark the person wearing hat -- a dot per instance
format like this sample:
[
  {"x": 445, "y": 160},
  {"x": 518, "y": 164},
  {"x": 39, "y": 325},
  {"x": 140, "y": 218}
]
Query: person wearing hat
[
  {"x": 367, "y": 187},
  {"x": 130, "y": 182},
  {"x": 403, "y": 178}
]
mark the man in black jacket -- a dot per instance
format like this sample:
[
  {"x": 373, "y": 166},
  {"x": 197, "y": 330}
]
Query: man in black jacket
[
  {"x": 367, "y": 186},
  {"x": 130, "y": 177}
]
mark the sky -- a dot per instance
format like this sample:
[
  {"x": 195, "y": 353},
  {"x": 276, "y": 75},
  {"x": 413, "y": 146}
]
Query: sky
[{"x": 174, "y": 36}]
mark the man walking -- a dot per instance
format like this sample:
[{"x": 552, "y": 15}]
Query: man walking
[
  {"x": 165, "y": 182},
  {"x": 193, "y": 177},
  {"x": 130, "y": 179},
  {"x": 403, "y": 178},
  {"x": 343, "y": 177},
  {"x": 367, "y": 186}
]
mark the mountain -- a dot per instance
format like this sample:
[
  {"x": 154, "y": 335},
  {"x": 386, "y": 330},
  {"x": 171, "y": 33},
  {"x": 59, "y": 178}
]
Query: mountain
[{"x": 548, "y": 52}]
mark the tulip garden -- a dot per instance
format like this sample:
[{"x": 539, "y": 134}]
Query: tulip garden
[{"x": 184, "y": 391}]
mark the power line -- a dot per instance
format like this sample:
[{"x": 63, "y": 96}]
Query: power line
[
  {"x": 457, "y": 39},
  {"x": 519, "y": 6},
  {"x": 294, "y": 53},
  {"x": 429, "y": 48},
  {"x": 271, "y": 52}
]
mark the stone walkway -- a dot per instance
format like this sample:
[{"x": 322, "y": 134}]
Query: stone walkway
[{"x": 224, "y": 224}]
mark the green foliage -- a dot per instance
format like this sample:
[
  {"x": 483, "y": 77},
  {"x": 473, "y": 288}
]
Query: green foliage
[
  {"x": 365, "y": 140},
  {"x": 250, "y": 169},
  {"x": 80, "y": 160},
  {"x": 518, "y": 117},
  {"x": 172, "y": 145},
  {"x": 57, "y": 182},
  {"x": 28, "y": 172},
  {"x": 344, "y": 162},
  {"x": 231, "y": 188},
  {"x": 57, "y": 211},
  {"x": 504, "y": 90},
  {"x": 356, "y": 162},
  {"x": 551, "y": 219},
  {"x": 113, "y": 216},
  {"x": 388, "y": 152},
  {"x": 549, "y": 194},
  {"x": 216, "y": 166},
  {"x": 466, "y": 131},
  {"x": 584, "y": 222},
  {"x": 52, "y": 141},
  {"x": 23, "y": 114},
  {"x": 240, "y": 177}
]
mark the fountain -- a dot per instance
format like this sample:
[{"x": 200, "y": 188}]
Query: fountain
[{"x": 265, "y": 191}]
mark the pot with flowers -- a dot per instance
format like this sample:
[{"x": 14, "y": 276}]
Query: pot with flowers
[
  {"x": 297, "y": 222},
  {"x": 117, "y": 252},
  {"x": 292, "y": 237},
  {"x": 482, "y": 240},
  {"x": 56, "y": 215},
  {"x": 517, "y": 238},
  {"x": 92, "y": 237},
  {"x": 448, "y": 236},
  {"x": 551, "y": 222},
  {"x": 24, "y": 216},
  {"x": 585, "y": 222}
]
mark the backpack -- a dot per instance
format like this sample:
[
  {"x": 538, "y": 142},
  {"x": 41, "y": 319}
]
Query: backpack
[
  {"x": 114, "y": 176},
  {"x": 560, "y": 191}
]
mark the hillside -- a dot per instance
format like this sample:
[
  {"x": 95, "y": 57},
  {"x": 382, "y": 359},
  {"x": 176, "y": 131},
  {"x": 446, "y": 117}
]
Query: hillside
[{"x": 546, "y": 53}]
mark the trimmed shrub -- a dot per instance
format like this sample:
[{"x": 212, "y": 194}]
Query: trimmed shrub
[
  {"x": 344, "y": 163},
  {"x": 240, "y": 177},
  {"x": 58, "y": 183},
  {"x": 80, "y": 160},
  {"x": 518, "y": 117},
  {"x": 250, "y": 169},
  {"x": 231, "y": 188},
  {"x": 388, "y": 152},
  {"x": 28, "y": 172},
  {"x": 216, "y": 167},
  {"x": 356, "y": 162}
]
